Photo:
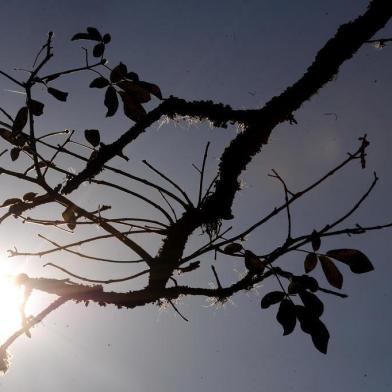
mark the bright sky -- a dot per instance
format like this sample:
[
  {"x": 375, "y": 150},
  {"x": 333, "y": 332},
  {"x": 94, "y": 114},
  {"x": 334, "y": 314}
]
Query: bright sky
[{"x": 241, "y": 53}]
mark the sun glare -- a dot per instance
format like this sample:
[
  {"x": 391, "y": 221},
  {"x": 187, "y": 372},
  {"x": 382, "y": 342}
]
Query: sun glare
[{"x": 11, "y": 297}]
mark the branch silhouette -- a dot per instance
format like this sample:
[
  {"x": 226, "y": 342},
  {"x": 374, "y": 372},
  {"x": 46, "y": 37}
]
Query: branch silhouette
[{"x": 53, "y": 184}]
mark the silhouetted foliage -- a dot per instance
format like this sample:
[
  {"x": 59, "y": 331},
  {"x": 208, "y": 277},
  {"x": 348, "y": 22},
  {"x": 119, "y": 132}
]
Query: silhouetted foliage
[{"x": 297, "y": 299}]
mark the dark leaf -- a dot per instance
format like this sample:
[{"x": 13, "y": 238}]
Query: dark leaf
[
  {"x": 314, "y": 327},
  {"x": 94, "y": 34},
  {"x": 98, "y": 50},
  {"x": 305, "y": 318},
  {"x": 118, "y": 73},
  {"x": 310, "y": 262},
  {"x": 15, "y": 153},
  {"x": 16, "y": 209},
  {"x": 152, "y": 88},
  {"x": 331, "y": 272},
  {"x": 71, "y": 225},
  {"x": 106, "y": 38},
  {"x": 132, "y": 109},
  {"x": 20, "y": 120},
  {"x": 36, "y": 107},
  {"x": 6, "y": 135},
  {"x": 298, "y": 283},
  {"x": 253, "y": 263},
  {"x": 69, "y": 217},
  {"x": 29, "y": 196},
  {"x": 312, "y": 303},
  {"x": 316, "y": 241},
  {"x": 293, "y": 287},
  {"x": 111, "y": 101},
  {"x": 309, "y": 283},
  {"x": 80, "y": 36},
  {"x": 100, "y": 82},
  {"x": 69, "y": 214},
  {"x": 93, "y": 155},
  {"x": 58, "y": 94},
  {"x": 92, "y": 136},
  {"x": 356, "y": 260},
  {"x": 19, "y": 139},
  {"x": 11, "y": 201},
  {"x": 132, "y": 76},
  {"x": 320, "y": 336},
  {"x": 286, "y": 316},
  {"x": 272, "y": 298},
  {"x": 233, "y": 248},
  {"x": 134, "y": 90}
]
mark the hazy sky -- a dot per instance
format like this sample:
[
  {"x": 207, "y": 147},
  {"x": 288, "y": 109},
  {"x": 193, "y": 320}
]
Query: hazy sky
[{"x": 241, "y": 53}]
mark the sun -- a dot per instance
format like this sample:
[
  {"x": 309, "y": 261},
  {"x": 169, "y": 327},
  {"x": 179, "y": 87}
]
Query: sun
[{"x": 11, "y": 296}]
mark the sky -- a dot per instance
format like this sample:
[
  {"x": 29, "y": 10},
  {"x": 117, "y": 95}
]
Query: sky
[{"x": 240, "y": 53}]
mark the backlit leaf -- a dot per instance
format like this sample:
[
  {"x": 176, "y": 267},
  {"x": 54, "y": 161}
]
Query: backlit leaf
[
  {"x": 6, "y": 135},
  {"x": 69, "y": 217},
  {"x": 316, "y": 241},
  {"x": 320, "y": 336},
  {"x": 111, "y": 101},
  {"x": 356, "y": 260},
  {"x": 106, "y": 38},
  {"x": 118, "y": 73},
  {"x": 272, "y": 298},
  {"x": 314, "y": 327},
  {"x": 29, "y": 196},
  {"x": 132, "y": 109},
  {"x": 94, "y": 34},
  {"x": 78, "y": 36},
  {"x": 232, "y": 248},
  {"x": 92, "y": 136},
  {"x": 253, "y": 263},
  {"x": 331, "y": 272},
  {"x": 133, "y": 89},
  {"x": 58, "y": 94},
  {"x": 312, "y": 303},
  {"x": 132, "y": 76},
  {"x": 152, "y": 88},
  {"x": 309, "y": 283},
  {"x": 10, "y": 201},
  {"x": 98, "y": 50},
  {"x": 99, "y": 82},
  {"x": 20, "y": 120},
  {"x": 36, "y": 107},
  {"x": 71, "y": 225},
  {"x": 310, "y": 262},
  {"x": 286, "y": 316},
  {"x": 14, "y": 153}
]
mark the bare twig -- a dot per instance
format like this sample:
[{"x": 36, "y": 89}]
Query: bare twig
[
  {"x": 106, "y": 281},
  {"x": 169, "y": 181},
  {"x": 202, "y": 173}
]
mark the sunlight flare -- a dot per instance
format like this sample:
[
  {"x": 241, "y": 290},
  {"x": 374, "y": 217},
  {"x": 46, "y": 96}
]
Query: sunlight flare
[{"x": 11, "y": 296}]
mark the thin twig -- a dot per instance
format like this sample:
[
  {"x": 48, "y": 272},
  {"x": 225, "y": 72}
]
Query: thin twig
[
  {"x": 51, "y": 161},
  {"x": 169, "y": 181},
  {"x": 177, "y": 311},
  {"x": 286, "y": 197},
  {"x": 7, "y": 115},
  {"x": 107, "y": 281},
  {"x": 170, "y": 206},
  {"x": 33, "y": 321},
  {"x": 202, "y": 173},
  {"x": 216, "y": 277}
]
